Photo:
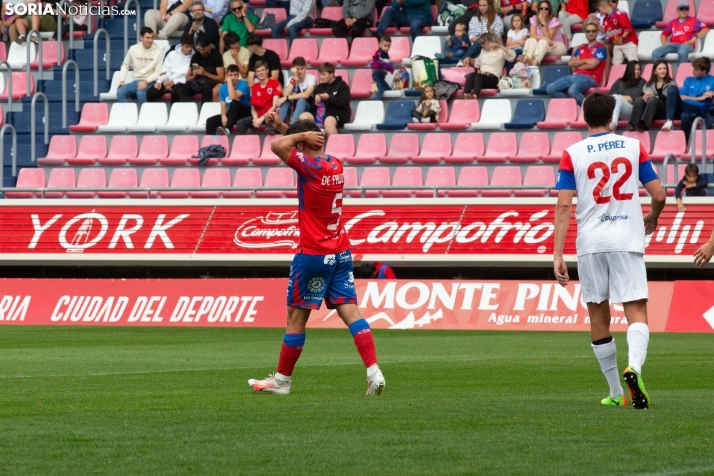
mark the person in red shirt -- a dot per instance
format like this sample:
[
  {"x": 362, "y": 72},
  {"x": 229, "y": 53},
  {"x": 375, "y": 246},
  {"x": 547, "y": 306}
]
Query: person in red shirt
[
  {"x": 681, "y": 35},
  {"x": 588, "y": 63},
  {"x": 264, "y": 95},
  {"x": 619, "y": 32},
  {"x": 322, "y": 267},
  {"x": 377, "y": 271}
]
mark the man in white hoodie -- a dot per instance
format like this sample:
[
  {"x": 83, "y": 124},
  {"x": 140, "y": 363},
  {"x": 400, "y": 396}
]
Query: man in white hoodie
[
  {"x": 146, "y": 58},
  {"x": 173, "y": 72}
]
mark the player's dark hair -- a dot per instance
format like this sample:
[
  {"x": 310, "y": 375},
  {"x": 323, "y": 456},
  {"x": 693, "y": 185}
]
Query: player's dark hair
[
  {"x": 232, "y": 69},
  {"x": 145, "y": 30},
  {"x": 703, "y": 63},
  {"x": 261, "y": 64},
  {"x": 653, "y": 77},
  {"x": 327, "y": 68},
  {"x": 230, "y": 39},
  {"x": 303, "y": 125},
  {"x": 691, "y": 169},
  {"x": 186, "y": 39},
  {"x": 254, "y": 40},
  {"x": 597, "y": 109},
  {"x": 299, "y": 61},
  {"x": 203, "y": 42},
  {"x": 367, "y": 270},
  {"x": 629, "y": 78}
]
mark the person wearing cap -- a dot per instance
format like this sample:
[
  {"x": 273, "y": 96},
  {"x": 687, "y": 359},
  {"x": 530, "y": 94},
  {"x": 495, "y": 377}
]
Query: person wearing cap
[{"x": 681, "y": 35}]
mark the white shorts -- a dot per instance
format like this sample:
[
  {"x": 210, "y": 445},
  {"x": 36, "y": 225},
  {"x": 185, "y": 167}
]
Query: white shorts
[{"x": 619, "y": 276}]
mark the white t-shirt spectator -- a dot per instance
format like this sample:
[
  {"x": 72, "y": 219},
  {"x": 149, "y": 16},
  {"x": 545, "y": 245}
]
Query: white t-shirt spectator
[
  {"x": 309, "y": 80},
  {"x": 521, "y": 35}
]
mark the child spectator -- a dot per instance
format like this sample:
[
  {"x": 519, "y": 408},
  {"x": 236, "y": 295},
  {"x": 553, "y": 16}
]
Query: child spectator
[
  {"x": 619, "y": 32},
  {"x": 235, "y": 103},
  {"x": 382, "y": 64},
  {"x": 428, "y": 108},
  {"x": 697, "y": 95},
  {"x": 516, "y": 38},
  {"x": 693, "y": 184},
  {"x": 456, "y": 46}
]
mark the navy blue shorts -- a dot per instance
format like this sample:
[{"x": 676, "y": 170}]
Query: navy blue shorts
[{"x": 317, "y": 277}]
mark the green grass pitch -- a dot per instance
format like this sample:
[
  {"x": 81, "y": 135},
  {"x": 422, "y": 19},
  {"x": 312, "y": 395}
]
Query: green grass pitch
[{"x": 77, "y": 400}]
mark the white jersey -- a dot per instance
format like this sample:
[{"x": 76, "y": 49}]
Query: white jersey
[{"x": 606, "y": 170}]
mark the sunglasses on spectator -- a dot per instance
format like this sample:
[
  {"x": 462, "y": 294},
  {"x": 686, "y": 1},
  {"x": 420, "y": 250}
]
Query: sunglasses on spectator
[
  {"x": 683, "y": 8},
  {"x": 590, "y": 31},
  {"x": 237, "y": 9},
  {"x": 544, "y": 8}
]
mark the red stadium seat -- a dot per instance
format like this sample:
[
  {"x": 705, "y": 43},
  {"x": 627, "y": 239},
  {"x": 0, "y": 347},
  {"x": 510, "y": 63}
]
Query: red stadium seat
[
  {"x": 561, "y": 112},
  {"x": 670, "y": 12},
  {"x": 208, "y": 141},
  {"x": 362, "y": 51},
  {"x": 375, "y": 177},
  {"x": 49, "y": 55},
  {"x": 182, "y": 148},
  {"x": 216, "y": 177},
  {"x": 670, "y": 176},
  {"x": 122, "y": 177},
  {"x": 61, "y": 149},
  {"x": 278, "y": 177},
  {"x": 369, "y": 148},
  {"x": 441, "y": 177},
  {"x": 580, "y": 122},
  {"x": 342, "y": 73},
  {"x": 122, "y": 149},
  {"x": 61, "y": 177},
  {"x": 537, "y": 175},
  {"x": 562, "y": 141},
  {"x": 19, "y": 86},
  {"x": 430, "y": 126},
  {"x": 643, "y": 137},
  {"x": 28, "y": 177},
  {"x": 153, "y": 148},
  {"x": 503, "y": 176},
  {"x": 467, "y": 147},
  {"x": 710, "y": 143},
  {"x": 470, "y": 177},
  {"x": 407, "y": 177},
  {"x": 328, "y": 13},
  {"x": 673, "y": 142},
  {"x": 93, "y": 115},
  {"x": 436, "y": 146},
  {"x": 684, "y": 71},
  {"x": 183, "y": 178},
  {"x": 706, "y": 13},
  {"x": 400, "y": 49},
  {"x": 340, "y": 146},
  {"x": 152, "y": 178},
  {"x": 94, "y": 177},
  {"x": 350, "y": 174},
  {"x": 305, "y": 47},
  {"x": 361, "y": 84},
  {"x": 332, "y": 50},
  {"x": 616, "y": 72},
  {"x": 245, "y": 148},
  {"x": 534, "y": 146},
  {"x": 267, "y": 157},
  {"x": 280, "y": 15},
  {"x": 501, "y": 145},
  {"x": 401, "y": 148},
  {"x": 463, "y": 113},
  {"x": 278, "y": 45},
  {"x": 91, "y": 149},
  {"x": 245, "y": 177}
]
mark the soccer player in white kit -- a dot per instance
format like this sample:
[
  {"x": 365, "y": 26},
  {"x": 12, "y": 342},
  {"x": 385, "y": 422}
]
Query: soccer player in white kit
[{"x": 605, "y": 170}]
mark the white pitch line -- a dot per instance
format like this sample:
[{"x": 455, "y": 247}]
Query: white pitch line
[
  {"x": 678, "y": 472},
  {"x": 332, "y": 364}
]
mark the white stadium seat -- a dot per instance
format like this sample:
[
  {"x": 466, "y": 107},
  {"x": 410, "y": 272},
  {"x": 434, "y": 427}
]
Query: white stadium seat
[
  {"x": 151, "y": 116},
  {"x": 426, "y": 46},
  {"x": 707, "y": 49},
  {"x": 111, "y": 95},
  {"x": 121, "y": 116},
  {"x": 17, "y": 56},
  {"x": 209, "y": 109},
  {"x": 182, "y": 116},
  {"x": 369, "y": 113},
  {"x": 648, "y": 42},
  {"x": 494, "y": 114}
]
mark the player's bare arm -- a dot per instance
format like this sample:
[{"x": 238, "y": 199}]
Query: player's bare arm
[
  {"x": 283, "y": 146},
  {"x": 563, "y": 210},
  {"x": 654, "y": 188},
  {"x": 273, "y": 118},
  {"x": 704, "y": 253}
]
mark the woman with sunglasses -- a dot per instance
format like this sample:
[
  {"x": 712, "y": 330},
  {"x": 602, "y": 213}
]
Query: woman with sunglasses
[
  {"x": 575, "y": 12},
  {"x": 657, "y": 101},
  {"x": 546, "y": 36},
  {"x": 625, "y": 90},
  {"x": 681, "y": 35}
]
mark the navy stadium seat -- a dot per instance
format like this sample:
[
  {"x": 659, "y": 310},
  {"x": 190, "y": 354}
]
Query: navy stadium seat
[
  {"x": 398, "y": 116},
  {"x": 550, "y": 75},
  {"x": 646, "y": 13},
  {"x": 528, "y": 113},
  {"x": 21, "y": 120}
]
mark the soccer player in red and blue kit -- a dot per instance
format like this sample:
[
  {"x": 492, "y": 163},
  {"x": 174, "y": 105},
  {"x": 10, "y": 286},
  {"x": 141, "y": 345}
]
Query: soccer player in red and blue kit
[{"x": 322, "y": 268}]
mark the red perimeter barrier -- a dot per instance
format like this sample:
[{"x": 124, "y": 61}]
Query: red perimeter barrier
[{"x": 400, "y": 304}]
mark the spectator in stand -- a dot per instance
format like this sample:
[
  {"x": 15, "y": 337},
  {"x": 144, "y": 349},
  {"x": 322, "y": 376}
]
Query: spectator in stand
[
  {"x": 697, "y": 93},
  {"x": 381, "y": 65},
  {"x": 619, "y": 32},
  {"x": 471, "y": 11},
  {"x": 270, "y": 57},
  {"x": 681, "y": 35},
  {"x": 146, "y": 59},
  {"x": 377, "y": 271},
  {"x": 334, "y": 95},
  {"x": 660, "y": 100},
  {"x": 241, "y": 22},
  {"x": 429, "y": 108},
  {"x": 575, "y": 12},
  {"x": 236, "y": 54},
  {"x": 488, "y": 65},
  {"x": 202, "y": 25},
  {"x": 176, "y": 64},
  {"x": 485, "y": 20},
  {"x": 264, "y": 95},
  {"x": 455, "y": 46},
  {"x": 297, "y": 93},
  {"x": 626, "y": 90},
  {"x": 587, "y": 63},
  {"x": 513, "y": 7},
  {"x": 215, "y": 10},
  {"x": 206, "y": 70},
  {"x": 41, "y": 23},
  {"x": 416, "y": 14},
  {"x": 79, "y": 20},
  {"x": 693, "y": 185},
  {"x": 171, "y": 16},
  {"x": 300, "y": 18},
  {"x": 278, "y": 4},
  {"x": 234, "y": 95},
  {"x": 546, "y": 36},
  {"x": 356, "y": 19}
]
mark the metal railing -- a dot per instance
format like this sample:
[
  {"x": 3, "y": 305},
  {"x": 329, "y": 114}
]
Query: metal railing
[
  {"x": 59, "y": 31},
  {"x": 107, "y": 39},
  {"x": 64, "y": 90},
  {"x": 28, "y": 47},
  {"x": 693, "y": 140},
  {"x": 126, "y": 24},
  {"x": 33, "y": 148},
  {"x": 2, "y": 152},
  {"x": 676, "y": 162},
  {"x": 8, "y": 83}
]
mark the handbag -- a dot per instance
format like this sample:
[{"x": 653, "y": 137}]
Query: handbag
[
  {"x": 505, "y": 83},
  {"x": 449, "y": 12},
  {"x": 267, "y": 22},
  {"x": 424, "y": 72}
]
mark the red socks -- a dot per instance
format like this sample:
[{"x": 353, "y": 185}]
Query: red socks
[
  {"x": 290, "y": 353},
  {"x": 365, "y": 346}
]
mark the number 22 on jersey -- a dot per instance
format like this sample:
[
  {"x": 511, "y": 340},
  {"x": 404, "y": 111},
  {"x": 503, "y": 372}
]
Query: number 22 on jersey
[{"x": 607, "y": 173}]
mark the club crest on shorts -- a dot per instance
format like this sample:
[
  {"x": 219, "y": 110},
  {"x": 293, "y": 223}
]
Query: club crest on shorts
[
  {"x": 316, "y": 284},
  {"x": 329, "y": 260}
]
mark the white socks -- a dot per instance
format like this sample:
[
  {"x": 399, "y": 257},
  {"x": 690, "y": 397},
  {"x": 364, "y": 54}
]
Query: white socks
[
  {"x": 607, "y": 356},
  {"x": 284, "y": 379},
  {"x": 638, "y": 337}
]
